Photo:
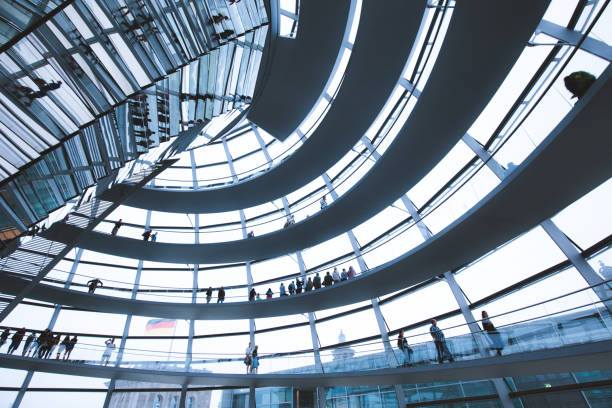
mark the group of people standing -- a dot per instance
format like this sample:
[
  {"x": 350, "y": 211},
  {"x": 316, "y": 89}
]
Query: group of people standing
[
  {"x": 251, "y": 359},
  {"x": 220, "y": 294},
  {"x": 41, "y": 346},
  {"x": 295, "y": 288},
  {"x": 442, "y": 350},
  {"x": 44, "y": 345}
]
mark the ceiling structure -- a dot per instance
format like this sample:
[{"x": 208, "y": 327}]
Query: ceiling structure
[{"x": 430, "y": 146}]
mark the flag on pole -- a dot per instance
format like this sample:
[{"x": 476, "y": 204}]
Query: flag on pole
[{"x": 160, "y": 326}]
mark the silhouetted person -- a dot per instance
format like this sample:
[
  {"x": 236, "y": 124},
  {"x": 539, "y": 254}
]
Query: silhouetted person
[
  {"x": 440, "y": 342},
  {"x": 328, "y": 280},
  {"x": 281, "y": 290},
  {"x": 291, "y": 288},
  {"x": 299, "y": 284},
  {"x": 28, "y": 344},
  {"x": 351, "y": 273},
  {"x": 43, "y": 88},
  {"x": 16, "y": 340},
  {"x": 94, "y": 284},
  {"x": 221, "y": 295},
  {"x": 4, "y": 336},
  {"x": 63, "y": 347},
  {"x": 209, "y": 292},
  {"x": 309, "y": 284},
  {"x": 43, "y": 342},
  {"x": 255, "y": 362},
  {"x": 269, "y": 293},
  {"x": 118, "y": 225},
  {"x": 316, "y": 282},
  {"x": 323, "y": 203},
  {"x": 70, "y": 347},
  {"x": 252, "y": 294},
  {"x": 108, "y": 351},
  {"x": 53, "y": 343},
  {"x": 402, "y": 344},
  {"x": 494, "y": 335},
  {"x": 248, "y": 357},
  {"x": 146, "y": 235},
  {"x": 223, "y": 35},
  {"x": 343, "y": 275},
  {"x": 336, "y": 275},
  {"x": 219, "y": 18}
]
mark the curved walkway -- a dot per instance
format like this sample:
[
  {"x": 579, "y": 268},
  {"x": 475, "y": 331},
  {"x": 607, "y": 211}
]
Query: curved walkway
[
  {"x": 524, "y": 199},
  {"x": 301, "y": 67},
  {"x": 377, "y": 60},
  {"x": 451, "y": 94},
  {"x": 584, "y": 357}
]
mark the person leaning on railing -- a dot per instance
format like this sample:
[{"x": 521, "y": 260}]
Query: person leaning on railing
[{"x": 494, "y": 335}]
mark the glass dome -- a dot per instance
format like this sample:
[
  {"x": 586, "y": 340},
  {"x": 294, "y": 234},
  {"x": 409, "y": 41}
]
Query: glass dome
[{"x": 436, "y": 180}]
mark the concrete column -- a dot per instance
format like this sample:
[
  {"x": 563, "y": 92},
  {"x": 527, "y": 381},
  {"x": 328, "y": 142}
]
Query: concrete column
[
  {"x": 500, "y": 385},
  {"x": 249, "y": 278},
  {"x": 252, "y": 402},
  {"x": 313, "y": 330},
  {"x": 128, "y": 321},
  {"x": 311, "y": 318},
  {"x": 230, "y": 162},
  {"x": 194, "y": 298},
  {"x": 194, "y": 175},
  {"x": 22, "y": 390},
  {"x": 380, "y": 320}
]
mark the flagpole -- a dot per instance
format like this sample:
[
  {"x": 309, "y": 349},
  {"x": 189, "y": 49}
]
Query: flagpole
[{"x": 172, "y": 341}]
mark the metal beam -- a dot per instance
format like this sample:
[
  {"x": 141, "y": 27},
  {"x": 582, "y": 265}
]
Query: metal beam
[
  {"x": 485, "y": 156},
  {"x": 380, "y": 320},
  {"x": 572, "y": 37},
  {"x": 581, "y": 265},
  {"x": 500, "y": 385},
  {"x": 414, "y": 213}
]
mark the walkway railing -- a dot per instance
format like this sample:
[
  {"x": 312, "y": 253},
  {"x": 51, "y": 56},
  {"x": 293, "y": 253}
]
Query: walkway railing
[{"x": 571, "y": 319}]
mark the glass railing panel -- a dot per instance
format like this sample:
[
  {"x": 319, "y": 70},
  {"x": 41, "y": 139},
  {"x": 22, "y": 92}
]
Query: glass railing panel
[{"x": 539, "y": 326}]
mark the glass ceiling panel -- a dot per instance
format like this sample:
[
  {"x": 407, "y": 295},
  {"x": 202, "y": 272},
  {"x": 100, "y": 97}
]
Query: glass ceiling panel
[
  {"x": 394, "y": 310},
  {"x": 531, "y": 252},
  {"x": 88, "y": 49}
]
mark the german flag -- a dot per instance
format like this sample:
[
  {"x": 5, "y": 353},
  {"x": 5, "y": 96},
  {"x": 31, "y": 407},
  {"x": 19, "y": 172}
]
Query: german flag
[{"x": 160, "y": 326}]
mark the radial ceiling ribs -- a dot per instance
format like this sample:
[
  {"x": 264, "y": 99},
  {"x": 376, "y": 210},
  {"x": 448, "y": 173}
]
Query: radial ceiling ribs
[
  {"x": 476, "y": 57},
  {"x": 583, "y": 357},
  {"x": 367, "y": 82},
  {"x": 502, "y": 215},
  {"x": 114, "y": 77}
]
